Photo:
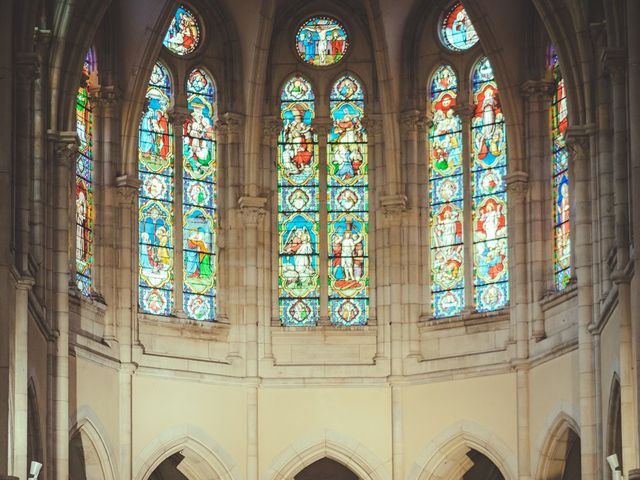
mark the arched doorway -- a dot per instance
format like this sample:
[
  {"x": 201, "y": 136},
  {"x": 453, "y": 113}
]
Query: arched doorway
[
  {"x": 326, "y": 469},
  {"x": 169, "y": 469},
  {"x": 560, "y": 458},
  {"x": 482, "y": 468}
]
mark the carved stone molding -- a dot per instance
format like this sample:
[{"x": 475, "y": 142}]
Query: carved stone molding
[
  {"x": 27, "y": 68},
  {"x": 178, "y": 116},
  {"x": 127, "y": 188},
  {"x": 534, "y": 89},
  {"x": 42, "y": 40},
  {"x": 393, "y": 206},
  {"x": 229, "y": 124},
  {"x": 373, "y": 125},
  {"x": 252, "y": 209},
  {"x": 271, "y": 127},
  {"x": 65, "y": 147},
  {"x": 517, "y": 183},
  {"x": 108, "y": 97},
  {"x": 578, "y": 140},
  {"x": 614, "y": 63},
  {"x": 411, "y": 120},
  {"x": 464, "y": 110}
]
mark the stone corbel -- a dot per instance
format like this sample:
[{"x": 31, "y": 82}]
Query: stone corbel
[
  {"x": 127, "y": 188},
  {"x": 464, "y": 110},
  {"x": 252, "y": 209},
  {"x": 65, "y": 147},
  {"x": 534, "y": 89},
  {"x": 108, "y": 97},
  {"x": 393, "y": 206},
  {"x": 578, "y": 138},
  {"x": 410, "y": 121},
  {"x": 271, "y": 127}
]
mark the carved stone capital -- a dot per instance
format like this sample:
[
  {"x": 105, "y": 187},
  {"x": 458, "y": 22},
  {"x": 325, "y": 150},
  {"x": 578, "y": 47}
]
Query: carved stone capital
[
  {"x": 65, "y": 147},
  {"x": 393, "y": 206},
  {"x": 614, "y": 63},
  {"x": 229, "y": 123},
  {"x": 373, "y": 125},
  {"x": 410, "y": 120},
  {"x": 42, "y": 40},
  {"x": 127, "y": 188},
  {"x": 517, "y": 183},
  {"x": 252, "y": 209},
  {"x": 108, "y": 97},
  {"x": 271, "y": 127},
  {"x": 535, "y": 89},
  {"x": 27, "y": 68},
  {"x": 578, "y": 140},
  {"x": 464, "y": 110},
  {"x": 178, "y": 116},
  {"x": 322, "y": 126}
]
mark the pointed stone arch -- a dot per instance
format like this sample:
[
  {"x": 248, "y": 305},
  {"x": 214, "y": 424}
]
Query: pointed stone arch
[
  {"x": 445, "y": 457},
  {"x": 334, "y": 446},
  {"x": 562, "y": 435},
  {"x": 90, "y": 458},
  {"x": 203, "y": 458}
]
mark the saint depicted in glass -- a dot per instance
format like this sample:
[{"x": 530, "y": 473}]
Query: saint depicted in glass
[
  {"x": 156, "y": 216},
  {"x": 321, "y": 41},
  {"x": 560, "y": 160},
  {"x": 183, "y": 35},
  {"x": 457, "y": 32},
  {"x": 298, "y": 206},
  {"x": 489, "y": 196},
  {"x": 348, "y": 205},
  {"x": 446, "y": 197},
  {"x": 84, "y": 176},
  {"x": 199, "y": 199}
]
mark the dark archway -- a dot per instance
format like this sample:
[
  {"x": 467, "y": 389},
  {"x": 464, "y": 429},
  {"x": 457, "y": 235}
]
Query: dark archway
[
  {"x": 482, "y": 468},
  {"x": 169, "y": 469},
  {"x": 326, "y": 469},
  {"x": 572, "y": 466}
]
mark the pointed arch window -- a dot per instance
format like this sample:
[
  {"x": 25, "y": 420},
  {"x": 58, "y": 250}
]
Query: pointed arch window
[
  {"x": 484, "y": 177},
  {"x": 446, "y": 187},
  {"x": 84, "y": 176},
  {"x": 560, "y": 173}
]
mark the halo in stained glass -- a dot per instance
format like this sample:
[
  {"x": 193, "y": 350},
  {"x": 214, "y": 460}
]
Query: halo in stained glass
[
  {"x": 321, "y": 41},
  {"x": 183, "y": 34},
  {"x": 457, "y": 33}
]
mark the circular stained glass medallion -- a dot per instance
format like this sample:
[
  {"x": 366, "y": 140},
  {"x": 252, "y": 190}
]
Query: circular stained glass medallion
[
  {"x": 457, "y": 32},
  {"x": 183, "y": 35},
  {"x": 321, "y": 41}
]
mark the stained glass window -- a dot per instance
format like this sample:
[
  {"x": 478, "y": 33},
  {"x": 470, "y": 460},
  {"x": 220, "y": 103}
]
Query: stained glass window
[
  {"x": 321, "y": 41},
  {"x": 298, "y": 206},
  {"x": 156, "y": 215},
  {"x": 348, "y": 205},
  {"x": 488, "y": 189},
  {"x": 183, "y": 35},
  {"x": 199, "y": 199},
  {"x": 446, "y": 197},
  {"x": 560, "y": 186},
  {"x": 84, "y": 177},
  {"x": 457, "y": 32}
]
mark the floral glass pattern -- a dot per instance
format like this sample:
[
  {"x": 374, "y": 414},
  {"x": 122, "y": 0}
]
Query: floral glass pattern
[
  {"x": 457, "y": 32},
  {"x": 488, "y": 189},
  {"x": 446, "y": 194},
  {"x": 321, "y": 41},
  {"x": 84, "y": 177},
  {"x": 348, "y": 205},
  {"x": 298, "y": 207},
  {"x": 560, "y": 183},
  {"x": 199, "y": 199},
  {"x": 183, "y": 34},
  {"x": 156, "y": 215}
]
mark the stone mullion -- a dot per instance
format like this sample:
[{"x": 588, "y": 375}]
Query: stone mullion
[
  {"x": 579, "y": 138},
  {"x": 65, "y": 149},
  {"x": 614, "y": 63},
  {"x": 322, "y": 128},
  {"x": 540, "y": 226},
  {"x": 465, "y": 111},
  {"x": 97, "y": 182},
  {"x": 178, "y": 116}
]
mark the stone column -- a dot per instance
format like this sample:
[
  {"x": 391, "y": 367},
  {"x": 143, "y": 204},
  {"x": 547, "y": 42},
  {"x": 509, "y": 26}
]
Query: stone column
[
  {"x": 579, "y": 141},
  {"x": 126, "y": 304},
  {"x": 178, "y": 116},
  {"x": 517, "y": 183},
  {"x": 633, "y": 59},
  {"x": 322, "y": 127},
  {"x": 614, "y": 62},
  {"x": 252, "y": 211},
  {"x": 538, "y": 152},
  {"x": 65, "y": 149}
]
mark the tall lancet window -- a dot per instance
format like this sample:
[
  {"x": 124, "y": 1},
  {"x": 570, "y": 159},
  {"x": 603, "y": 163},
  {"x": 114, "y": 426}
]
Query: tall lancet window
[
  {"x": 488, "y": 192},
  {"x": 348, "y": 205},
  {"x": 560, "y": 173},
  {"x": 84, "y": 176},
  {"x": 446, "y": 194},
  {"x": 298, "y": 207},
  {"x": 199, "y": 199},
  {"x": 156, "y": 210}
]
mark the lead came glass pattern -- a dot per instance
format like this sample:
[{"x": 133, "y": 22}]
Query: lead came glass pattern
[
  {"x": 446, "y": 194},
  {"x": 489, "y": 196},
  {"x": 298, "y": 207},
  {"x": 84, "y": 178},
  {"x": 156, "y": 223},
  {"x": 560, "y": 186},
  {"x": 321, "y": 41},
  {"x": 348, "y": 205},
  {"x": 183, "y": 34},
  {"x": 199, "y": 199},
  {"x": 457, "y": 31}
]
